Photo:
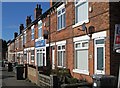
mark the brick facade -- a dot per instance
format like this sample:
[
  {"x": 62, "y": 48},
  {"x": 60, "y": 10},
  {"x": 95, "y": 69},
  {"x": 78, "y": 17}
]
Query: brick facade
[{"x": 100, "y": 16}]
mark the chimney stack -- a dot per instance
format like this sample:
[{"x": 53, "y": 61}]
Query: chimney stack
[
  {"x": 28, "y": 20},
  {"x": 15, "y": 35},
  {"x": 21, "y": 28},
  {"x": 37, "y": 11}
]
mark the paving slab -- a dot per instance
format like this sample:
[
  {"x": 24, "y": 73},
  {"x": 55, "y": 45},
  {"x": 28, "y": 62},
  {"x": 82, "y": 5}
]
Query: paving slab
[{"x": 9, "y": 80}]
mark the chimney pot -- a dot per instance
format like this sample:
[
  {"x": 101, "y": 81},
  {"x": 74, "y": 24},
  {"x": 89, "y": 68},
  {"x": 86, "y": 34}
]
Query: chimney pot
[
  {"x": 37, "y": 11},
  {"x": 21, "y": 28},
  {"x": 15, "y": 35},
  {"x": 28, "y": 20},
  {"x": 39, "y": 6}
]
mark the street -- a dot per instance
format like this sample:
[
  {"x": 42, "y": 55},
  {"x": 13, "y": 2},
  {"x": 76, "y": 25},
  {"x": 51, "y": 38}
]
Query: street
[{"x": 9, "y": 81}]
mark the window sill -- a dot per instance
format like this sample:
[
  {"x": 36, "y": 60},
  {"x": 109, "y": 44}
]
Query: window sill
[
  {"x": 61, "y": 29},
  {"x": 32, "y": 60},
  {"x": 80, "y": 23},
  {"x": 61, "y": 67},
  {"x": 81, "y": 71}
]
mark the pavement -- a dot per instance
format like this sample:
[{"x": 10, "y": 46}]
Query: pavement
[{"x": 9, "y": 80}]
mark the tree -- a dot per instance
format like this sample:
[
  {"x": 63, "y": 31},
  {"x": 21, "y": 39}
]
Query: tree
[{"x": 3, "y": 48}]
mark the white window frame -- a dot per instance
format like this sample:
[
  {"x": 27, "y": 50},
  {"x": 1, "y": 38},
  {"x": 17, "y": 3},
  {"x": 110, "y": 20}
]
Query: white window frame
[
  {"x": 38, "y": 51},
  {"x": 17, "y": 43},
  {"x": 32, "y": 55},
  {"x": 77, "y": 40},
  {"x": 80, "y": 2},
  {"x": 40, "y": 28},
  {"x": 32, "y": 33},
  {"x": 58, "y": 15},
  {"x": 63, "y": 50},
  {"x": 25, "y": 35},
  {"x": 81, "y": 48},
  {"x": 22, "y": 41}
]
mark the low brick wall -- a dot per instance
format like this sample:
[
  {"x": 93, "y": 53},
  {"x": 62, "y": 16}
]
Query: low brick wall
[{"x": 33, "y": 75}]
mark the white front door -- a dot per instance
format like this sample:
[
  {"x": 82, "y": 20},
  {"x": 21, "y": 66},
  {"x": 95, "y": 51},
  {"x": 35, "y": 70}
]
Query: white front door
[
  {"x": 53, "y": 58},
  {"x": 99, "y": 56},
  {"x": 41, "y": 57}
]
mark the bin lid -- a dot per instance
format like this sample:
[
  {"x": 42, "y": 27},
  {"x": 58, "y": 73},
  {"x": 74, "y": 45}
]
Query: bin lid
[
  {"x": 20, "y": 65},
  {"x": 99, "y": 76}
]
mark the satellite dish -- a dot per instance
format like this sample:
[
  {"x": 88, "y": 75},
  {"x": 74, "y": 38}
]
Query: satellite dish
[{"x": 84, "y": 27}]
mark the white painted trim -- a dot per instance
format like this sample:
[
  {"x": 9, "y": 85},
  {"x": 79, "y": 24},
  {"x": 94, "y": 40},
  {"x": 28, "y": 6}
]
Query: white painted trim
[
  {"x": 31, "y": 48},
  {"x": 81, "y": 71},
  {"x": 95, "y": 55},
  {"x": 39, "y": 22},
  {"x": 51, "y": 44},
  {"x": 24, "y": 32},
  {"x": 61, "y": 42},
  {"x": 99, "y": 34},
  {"x": 40, "y": 38},
  {"x": 32, "y": 60},
  {"x": 32, "y": 27},
  {"x": 62, "y": 6},
  {"x": 20, "y": 52},
  {"x": 80, "y": 23},
  {"x": 81, "y": 38}
]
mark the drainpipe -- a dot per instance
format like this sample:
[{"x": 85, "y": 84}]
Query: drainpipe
[{"x": 49, "y": 39}]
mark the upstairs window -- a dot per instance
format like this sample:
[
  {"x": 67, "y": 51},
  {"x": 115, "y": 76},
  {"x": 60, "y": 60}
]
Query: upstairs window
[
  {"x": 21, "y": 41},
  {"x": 32, "y": 32},
  {"x": 40, "y": 29},
  {"x": 24, "y": 37},
  {"x": 17, "y": 43},
  {"x": 61, "y": 18},
  {"x": 81, "y": 11}
]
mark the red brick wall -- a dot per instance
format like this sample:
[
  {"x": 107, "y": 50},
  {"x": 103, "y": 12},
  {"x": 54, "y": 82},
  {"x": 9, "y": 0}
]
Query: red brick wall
[{"x": 99, "y": 18}]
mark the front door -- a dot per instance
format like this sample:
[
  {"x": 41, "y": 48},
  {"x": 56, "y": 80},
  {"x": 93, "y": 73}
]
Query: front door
[
  {"x": 99, "y": 56},
  {"x": 53, "y": 58}
]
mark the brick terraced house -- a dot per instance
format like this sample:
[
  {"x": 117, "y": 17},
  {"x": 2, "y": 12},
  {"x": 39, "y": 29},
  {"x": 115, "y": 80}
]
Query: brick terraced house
[{"x": 74, "y": 35}]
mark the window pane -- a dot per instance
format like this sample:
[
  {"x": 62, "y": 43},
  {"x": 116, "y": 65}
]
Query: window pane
[
  {"x": 40, "y": 32},
  {"x": 32, "y": 30},
  {"x": 38, "y": 59},
  {"x": 41, "y": 60},
  {"x": 63, "y": 10},
  {"x": 64, "y": 20},
  {"x": 60, "y": 58},
  {"x": 32, "y": 52},
  {"x": 61, "y": 21},
  {"x": 64, "y": 59},
  {"x": 82, "y": 12},
  {"x": 32, "y": 57},
  {"x": 39, "y": 25},
  {"x": 100, "y": 57},
  {"x": 63, "y": 47},
  {"x": 32, "y": 36},
  {"x": 59, "y": 47},
  {"x": 82, "y": 59},
  {"x": 85, "y": 44},
  {"x": 78, "y": 45},
  {"x": 101, "y": 41},
  {"x": 59, "y": 12}
]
